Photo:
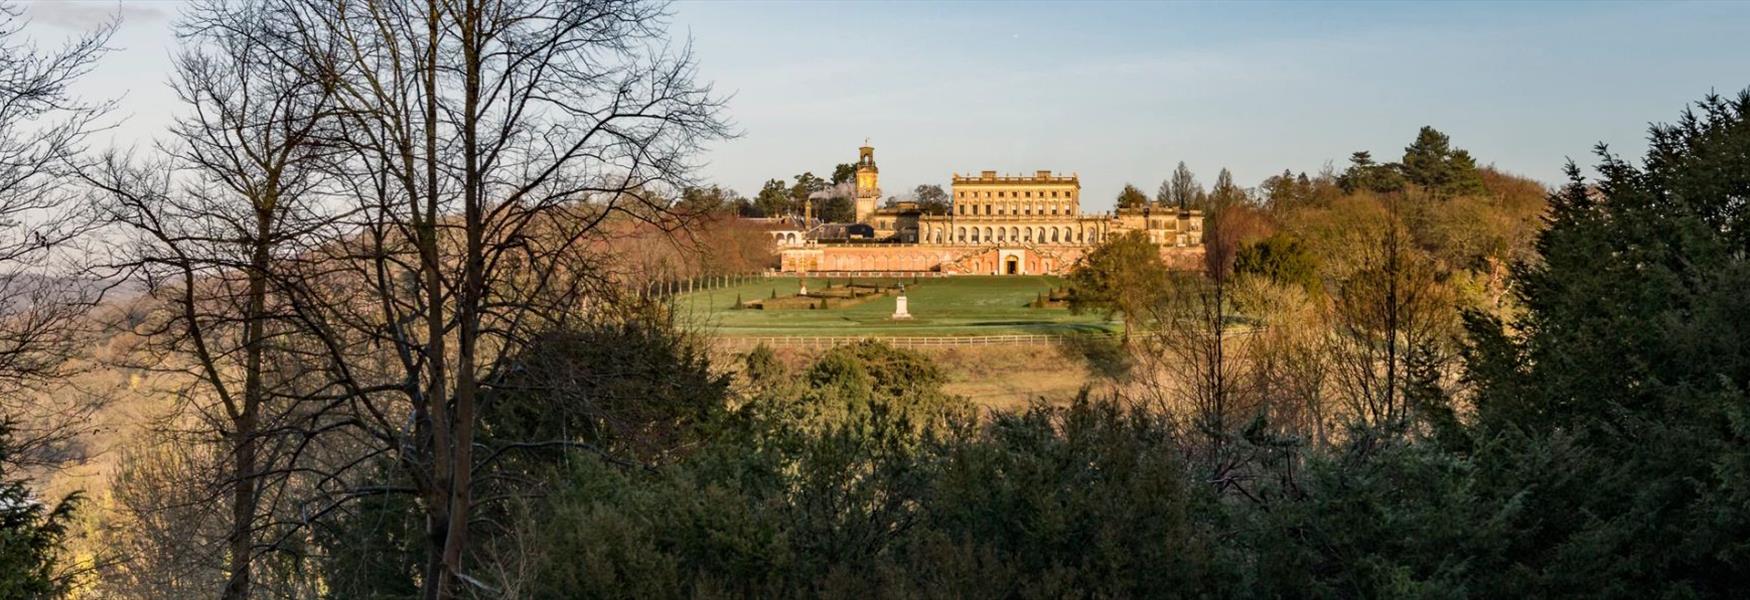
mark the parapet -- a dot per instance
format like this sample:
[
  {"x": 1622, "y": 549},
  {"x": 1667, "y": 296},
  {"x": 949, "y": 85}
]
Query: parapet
[{"x": 1040, "y": 176}]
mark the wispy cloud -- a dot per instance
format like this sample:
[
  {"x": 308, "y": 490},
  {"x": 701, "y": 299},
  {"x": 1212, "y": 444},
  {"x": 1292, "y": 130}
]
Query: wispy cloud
[{"x": 85, "y": 14}]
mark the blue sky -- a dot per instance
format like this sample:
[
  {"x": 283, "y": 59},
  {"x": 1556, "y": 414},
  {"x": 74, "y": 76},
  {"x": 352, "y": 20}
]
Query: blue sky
[{"x": 1122, "y": 91}]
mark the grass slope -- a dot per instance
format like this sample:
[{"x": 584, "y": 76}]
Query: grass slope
[{"x": 965, "y": 305}]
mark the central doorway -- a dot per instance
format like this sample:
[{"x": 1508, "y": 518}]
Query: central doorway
[{"x": 1012, "y": 266}]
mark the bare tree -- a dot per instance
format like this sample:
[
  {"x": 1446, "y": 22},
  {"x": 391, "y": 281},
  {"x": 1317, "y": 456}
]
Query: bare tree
[
  {"x": 1288, "y": 365},
  {"x": 1389, "y": 304},
  {"x": 43, "y": 294},
  {"x": 1181, "y": 191},
  {"x": 487, "y": 143},
  {"x": 1192, "y": 330},
  {"x": 215, "y": 225}
]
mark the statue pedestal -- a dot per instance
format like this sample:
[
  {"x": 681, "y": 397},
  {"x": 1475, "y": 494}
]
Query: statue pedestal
[{"x": 899, "y": 311}]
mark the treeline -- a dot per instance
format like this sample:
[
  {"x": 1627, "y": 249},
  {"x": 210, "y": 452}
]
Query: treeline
[
  {"x": 383, "y": 307},
  {"x": 1590, "y": 442},
  {"x": 833, "y": 200}
]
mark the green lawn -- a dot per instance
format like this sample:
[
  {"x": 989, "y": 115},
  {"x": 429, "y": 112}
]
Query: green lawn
[{"x": 963, "y": 305}]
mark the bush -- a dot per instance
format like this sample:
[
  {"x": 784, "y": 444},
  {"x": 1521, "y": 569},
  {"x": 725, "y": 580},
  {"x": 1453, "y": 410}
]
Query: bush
[{"x": 1087, "y": 500}]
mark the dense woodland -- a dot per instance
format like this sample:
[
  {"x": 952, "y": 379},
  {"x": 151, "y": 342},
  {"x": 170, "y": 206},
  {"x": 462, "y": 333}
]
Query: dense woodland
[{"x": 372, "y": 306}]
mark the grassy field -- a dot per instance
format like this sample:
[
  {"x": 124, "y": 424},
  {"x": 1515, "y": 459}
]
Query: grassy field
[{"x": 965, "y": 305}]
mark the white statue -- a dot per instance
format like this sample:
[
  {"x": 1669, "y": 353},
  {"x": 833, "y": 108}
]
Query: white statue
[{"x": 899, "y": 308}]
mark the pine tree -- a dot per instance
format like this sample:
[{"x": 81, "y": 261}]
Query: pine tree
[
  {"x": 30, "y": 533},
  {"x": 1431, "y": 162},
  {"x": 1364, "y": 174}
]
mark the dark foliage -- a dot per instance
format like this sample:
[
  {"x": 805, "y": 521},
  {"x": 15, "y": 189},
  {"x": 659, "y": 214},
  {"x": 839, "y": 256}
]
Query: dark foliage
[{"x": 31, "y": 532}]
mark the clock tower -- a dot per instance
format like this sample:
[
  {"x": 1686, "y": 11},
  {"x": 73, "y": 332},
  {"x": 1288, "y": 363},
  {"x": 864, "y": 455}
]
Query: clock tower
[{"x": 868, "y": 185}]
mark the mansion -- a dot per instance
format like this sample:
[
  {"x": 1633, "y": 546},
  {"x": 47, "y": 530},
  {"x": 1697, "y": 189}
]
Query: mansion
[{"x": 994, "y": 225}]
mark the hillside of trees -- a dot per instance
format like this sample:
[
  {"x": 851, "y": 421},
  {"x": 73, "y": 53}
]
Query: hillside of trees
[{"x": 371, "y": 321}]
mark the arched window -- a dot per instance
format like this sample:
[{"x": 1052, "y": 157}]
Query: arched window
[
  {"x": 1054, "y": 235},
  {"x": 960, "y": 234},
  {"x": 1014, "y": 234},
  {"x": 1027, "y": 235},
  {"x": 987, "y": 236}
]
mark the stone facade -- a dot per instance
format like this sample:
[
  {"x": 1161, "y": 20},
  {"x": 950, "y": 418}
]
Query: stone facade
[
  {"x": 868, "y": 183},
  {"x": 996, "y": 225}
]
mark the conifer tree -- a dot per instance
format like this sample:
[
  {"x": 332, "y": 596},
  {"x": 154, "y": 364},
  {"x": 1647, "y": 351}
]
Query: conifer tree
[
  {"x": 1432, "y": 163},
  {"x": 1620, "y": 393},
  {"x": 1130, "y": 197},
  {"x": 30, "y": 533}
]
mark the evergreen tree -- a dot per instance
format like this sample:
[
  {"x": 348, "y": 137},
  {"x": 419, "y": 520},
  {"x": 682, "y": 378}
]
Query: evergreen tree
[
  {"x": 932, "y": 200},
  {"x": 806, "y": 186},
  {"x": 1365, "y": 175},
  {"x": 773, "y": 199},
  {"x": 1124, "y": 276},
  {"x": 30, "y": 533},
  {"x": 1130, "y": 197},
  {"x": 1617, "y": 419},
  {"x": 1432, "y": 163},
  {"x": 835, "y": 209},
  {"x": 844, "y": 173}
]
